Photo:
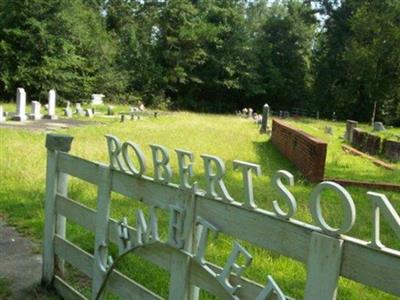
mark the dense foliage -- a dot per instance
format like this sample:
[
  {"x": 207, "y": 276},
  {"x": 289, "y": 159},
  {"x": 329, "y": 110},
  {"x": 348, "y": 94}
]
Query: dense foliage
[{"x": 208, "y": 55}]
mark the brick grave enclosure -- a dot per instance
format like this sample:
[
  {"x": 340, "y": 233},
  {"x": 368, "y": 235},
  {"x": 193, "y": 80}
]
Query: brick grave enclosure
[{"x": 306, "y": 152}]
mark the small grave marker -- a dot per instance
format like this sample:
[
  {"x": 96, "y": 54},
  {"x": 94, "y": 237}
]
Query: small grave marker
[
  {"x": 378, "y": 126},
  {"x": 35, "y": 114}
]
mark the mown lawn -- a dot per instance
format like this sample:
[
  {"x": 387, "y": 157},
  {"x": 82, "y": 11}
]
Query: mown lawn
[{"x": 22, "y": 165}]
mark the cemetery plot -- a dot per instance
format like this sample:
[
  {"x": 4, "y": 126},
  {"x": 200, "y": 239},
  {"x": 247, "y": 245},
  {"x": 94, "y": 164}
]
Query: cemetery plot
[{"x": 194, "y": 214}]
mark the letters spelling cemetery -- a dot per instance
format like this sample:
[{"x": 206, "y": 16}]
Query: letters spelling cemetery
[{"x": 195, "y": 215}]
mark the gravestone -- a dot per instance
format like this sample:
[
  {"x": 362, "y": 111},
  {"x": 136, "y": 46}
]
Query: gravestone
[
  {"x": 21, "y": 106},
  {"x": 378, "y": 126},
  {"x": 97, "y": 99},
  {"x": 35, "y": 114},
  {"x": 51, "y": 108},
  {"x": 2, "y": 118},
  {"x": 79, "y": 109},
  {"x": 350, "y": 125},
  {"x": 68, "y": 112},
  {"x": 285, "y": 114},
  {"x": 250, "y": 113},
  {"x": 122, "y": 120},
  {"x": 89, "y": 112},
  {"x": 264, "y": 120},
  {"x": 110, "y": 110}
]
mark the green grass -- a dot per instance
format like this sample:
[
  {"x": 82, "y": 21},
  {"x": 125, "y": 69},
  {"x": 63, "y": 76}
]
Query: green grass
[
  {"x": 5, "y": 292},
  {"x": 22, "y": 164}
]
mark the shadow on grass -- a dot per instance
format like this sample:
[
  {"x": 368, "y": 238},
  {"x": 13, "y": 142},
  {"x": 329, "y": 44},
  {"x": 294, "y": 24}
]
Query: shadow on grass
[{"x": 271, "y": 160}]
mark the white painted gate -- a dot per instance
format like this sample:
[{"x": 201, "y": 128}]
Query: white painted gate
[{"x": 193, "y": 216}]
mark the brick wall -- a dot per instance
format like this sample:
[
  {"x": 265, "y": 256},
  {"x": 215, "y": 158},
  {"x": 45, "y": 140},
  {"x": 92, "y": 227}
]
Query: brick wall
[
  {"x": 366, "y": 142},
  {"x": 306, "y": 152},
  {"x": 391, "y": 150}
]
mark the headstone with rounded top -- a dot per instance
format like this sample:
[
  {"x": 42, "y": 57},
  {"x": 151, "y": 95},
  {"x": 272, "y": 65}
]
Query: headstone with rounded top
[
  {"x": 378, "y": 126},
  {"x": 264, "y": 119},
  {"x": 20, "y": 114}
]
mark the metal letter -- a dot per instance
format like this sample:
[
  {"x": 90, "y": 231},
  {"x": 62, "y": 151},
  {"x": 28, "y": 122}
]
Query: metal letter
[
  {"x": 215, "y": 178},
  {"x": 231, "y": 265},
  {"x": 285, "y": 193},
  {"x": 128, "y": 161},
  {"x": 185, "y": 170},
  {"x": 347, "y": 203},
  {"x": 381, "y": 202},
  {"x": 114, "y": 151},
  {"x": 270, "y": 289},
  {"x": 248, "y": 181},
  {"x": 144, "y": 233},
  {"x": 204, "y": 229},
  {"x": 176, "y": 227},
  {"x": 159, "y": 163}
]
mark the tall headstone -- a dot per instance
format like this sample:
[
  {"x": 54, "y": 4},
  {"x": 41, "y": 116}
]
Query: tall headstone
[
  {"x": 350, "y": 125},
  {"x": 21, "y": 106},
  {"x": 264, "y": 120},
  {"x": 35, "y": 113},
  {"x": 2, "y": 118},
  {"x": 51, "y": 108}
]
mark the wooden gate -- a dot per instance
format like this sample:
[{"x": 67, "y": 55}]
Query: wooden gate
[{"x": 194, "y": 214}]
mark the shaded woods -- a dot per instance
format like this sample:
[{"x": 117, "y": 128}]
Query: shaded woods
[{"x": 208, "y": 55}]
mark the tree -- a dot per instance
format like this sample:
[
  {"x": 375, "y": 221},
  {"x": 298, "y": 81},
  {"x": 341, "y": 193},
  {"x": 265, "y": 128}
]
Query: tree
[
  {"x": 283, "y": 49},
  {"x": 54, "y": 44},
  {"x": 358, "y": 60}
]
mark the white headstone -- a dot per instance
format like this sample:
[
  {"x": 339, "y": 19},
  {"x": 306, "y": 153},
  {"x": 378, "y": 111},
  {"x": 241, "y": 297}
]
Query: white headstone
[
  {"x": 35, "y": 114},
  {"x": 97, "y": 99},
  {"x": 2, "y": 118},
  {"x": 21, "y": 105},
  {"x": 51, "y": 109},
  {"x": 68, "y": 112},
  {"x": 378, "y": 126},
  {"x": 89, "y": 112},
  {"x": 79, "y": 110}
]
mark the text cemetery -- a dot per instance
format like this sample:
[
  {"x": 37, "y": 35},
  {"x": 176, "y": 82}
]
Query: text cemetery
[{"x": 195, "y": 214}]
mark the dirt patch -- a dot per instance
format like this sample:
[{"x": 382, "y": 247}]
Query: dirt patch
[{"x": 46, "y": 125}]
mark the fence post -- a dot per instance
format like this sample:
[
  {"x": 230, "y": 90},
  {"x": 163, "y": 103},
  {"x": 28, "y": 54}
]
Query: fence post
[
  {"x": 54, "y": 144},
  {"x": 179, "y": 286},
  {"x": 323, "y": 267},
  {"x": 101, "y": 238}
]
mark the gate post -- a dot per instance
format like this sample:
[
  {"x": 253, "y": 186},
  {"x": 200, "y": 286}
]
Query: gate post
[
  {"x": 323, "y": 267},
  {"x": 55, "y": 182}
]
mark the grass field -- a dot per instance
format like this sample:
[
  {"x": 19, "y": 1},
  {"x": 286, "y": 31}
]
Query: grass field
[{"x": 22, "y": 166}]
